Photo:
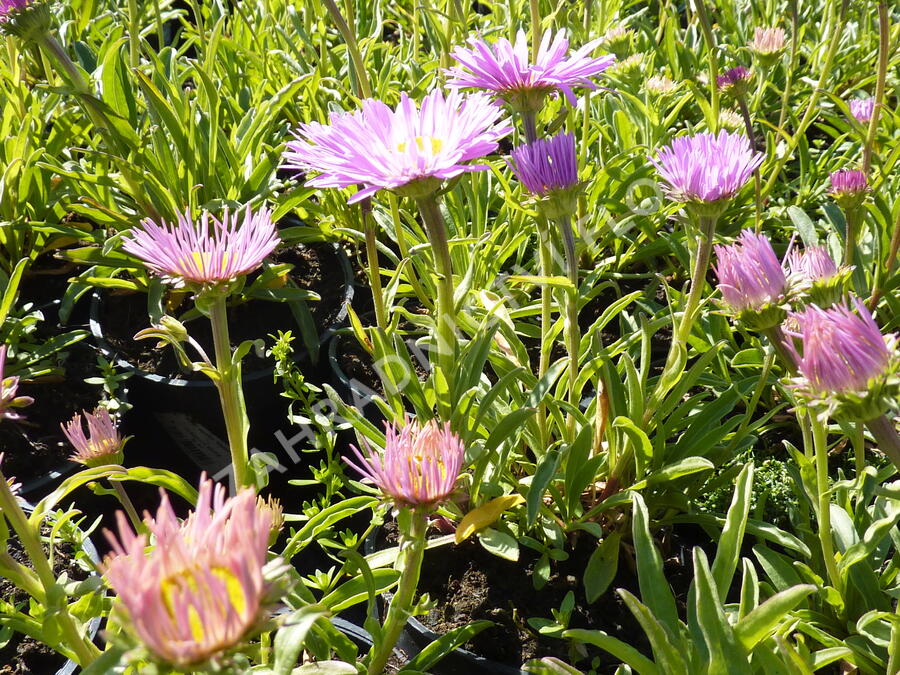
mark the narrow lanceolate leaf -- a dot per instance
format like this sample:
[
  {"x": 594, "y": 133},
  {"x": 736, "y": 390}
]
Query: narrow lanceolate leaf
[
  {"x": 484, "y": 515},
  {"x": 622, "y": 651},
  {"x": 765, "y": 619},
  {"x": 668, "y": 652},
  {"x": 729, "y": 547},
  {"x": 655, "y": 591},
  {"x": 602, "y": 566},
  {"x": 290, "y": 637}
]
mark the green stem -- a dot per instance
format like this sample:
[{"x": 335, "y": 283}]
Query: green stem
[
  {"x": 529, "y": 124},
  {"x": 710, "y": 40},
  {"x": 446, "y": 311},
  {"x": 364, "y": 88},
  {"x": 412, "y": 547},
  {"x": 851, "y": 217},
  {"x": 894, "y": 646},
  {"x": 571, "y": 324},
  {"x": 677, "y": 356},
  {"x": 22, "y": 577},
  {"x": 885, "y": 434},
  {"x": 885, "y": 271},
  {"x": 826, "y": 537},
  {"x": 777, "y": 339},
  {"x": 230, "y": 394},
  {"x": 134, "y": 35},
  {"x": 128, "y": 505},
  {"x": 757, "y": 183},
  {"x": 404, "y": 250},
  {"x": 84, "y": 650},
  {"x": 546, "y": 344},
  {"x": 859, "y": 447},
  {"x": 535, "y": 29},
  {"x": 365, "y": 210},
  {"x": 884, "y": 31},
  {"x": 809, "y": 114},
  {"x": 789, "y": 77},
  {"x": 761, "y": 386}
]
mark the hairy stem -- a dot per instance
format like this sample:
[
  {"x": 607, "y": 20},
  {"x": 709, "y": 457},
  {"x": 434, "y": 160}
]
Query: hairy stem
[
  {"x": 364, "y": 89},
  {"x": 884, "y": 31},
  {"x": 826, "y": 538},
  {"x": 365, "y": 211},
  {"x": 571, "y": 324}
]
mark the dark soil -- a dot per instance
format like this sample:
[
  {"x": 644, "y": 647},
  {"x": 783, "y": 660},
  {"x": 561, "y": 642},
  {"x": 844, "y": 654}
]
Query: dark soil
[
  {"x": 468, "y": 584},
  {"x": 35, "y": 445},
  {"x": 316, "y": 268},
  {"x": 22, "y": 655}
]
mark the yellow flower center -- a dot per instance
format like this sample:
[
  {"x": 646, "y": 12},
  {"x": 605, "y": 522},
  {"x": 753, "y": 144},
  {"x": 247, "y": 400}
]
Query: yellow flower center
[
  {"x": 183, "y": 586},
  {"x": 424, "y": 144},
  {"x": 203, "y": 261}
]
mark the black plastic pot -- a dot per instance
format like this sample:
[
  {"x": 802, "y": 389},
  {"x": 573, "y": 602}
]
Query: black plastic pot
[
  {"x": 416, "y": 636},
  {"x": 188, "y": 410}
]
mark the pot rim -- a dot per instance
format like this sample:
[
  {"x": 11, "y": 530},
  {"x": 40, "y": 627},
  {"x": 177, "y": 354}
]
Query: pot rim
[{"x": 112, "y": 354}]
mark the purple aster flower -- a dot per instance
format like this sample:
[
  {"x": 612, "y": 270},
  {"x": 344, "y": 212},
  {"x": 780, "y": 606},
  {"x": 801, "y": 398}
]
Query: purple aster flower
[
  {"x": 750, "y": 275},
  {"x": 206, "y": 252},
  {"x": 506, "y": 68},
  {"x": 28, "y": 19},
  {"x": 862, "y": 109},
  {"x": 812, "y": 264},
  {"x": 382, "y": 148},
  {"x": 419, "y": 466},
  {"x": 706, "y": 168},
  {"x": 735, "y": 76},
  {"x": 9, "y": 398},
  {"x": 7, "y": 7},
  {"x": 843, "y": 350},
  {"x": 546, "y": 165},
  {"x": 848, "y": 182}
]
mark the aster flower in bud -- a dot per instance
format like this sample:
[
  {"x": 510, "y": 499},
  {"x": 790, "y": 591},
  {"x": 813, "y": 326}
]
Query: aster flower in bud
[
  {"x": 506, "y": 69},
  {"x": 628, "y": 70},
  {"x": 277, "y": 510},
  {"x": 409, "y": 150},
  {"x": 847, "y": 366},
  {"x": 660, "y": 85},
  {"x": 767, "y": 44},
  {"x": 734, "y": 81},
  {"x": 849, "y": 188},
  {"x": 752, "y": 281},
  {"x": 814, "y": 275},
  {"x": 706, "y": 170},
  {"x": 10, "y": 401},
  {"x": 206, "y": 253},
  {"x": 26, "y": 19},
  {"x": 731, "y": 120},
  {"x": 419, "y": 466},
  {"x": 101, "y": 445},
  {"x": 618, "y": 41},
  {"x": 548, "y": 169},
  {"x": 200, "y": 592},
  {"x": 862, "y": 109}
]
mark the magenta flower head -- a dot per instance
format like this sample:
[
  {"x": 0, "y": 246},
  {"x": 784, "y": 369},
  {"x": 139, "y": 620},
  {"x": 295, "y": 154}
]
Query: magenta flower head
[
  {"x": 409, "y": 150},
  {"x": 101, "y": 445},
  {"x": 752, "y": 281},
  {"x": 419, "y": 466},
  {"x": 734, "y": 81},
  {"x": 206, "y": 253},
  {"x": 849, "y": 188},
  {"x": 813, "y": 275},
  {"x": 862, "y": 109},
  {"x": 846, "y": 365},
  {"x": 200, "y": 591},
  {"x": 10, "y": 401},
  {"x": 548, "y": 168},
  {"x": 706, "y": 170},
  {"x": 506, "y": 69}
]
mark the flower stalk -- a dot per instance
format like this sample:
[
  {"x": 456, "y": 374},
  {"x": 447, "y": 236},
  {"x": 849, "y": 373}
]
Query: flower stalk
[
  {"x": 884, "y": 47},
  {"x": 826, "y": 537},
  {"x": 231, "y": 396},
  {"x": 412, "y": 547},
  {"x": 885, "y": 434},
  {"x": 571, "y": 322}
]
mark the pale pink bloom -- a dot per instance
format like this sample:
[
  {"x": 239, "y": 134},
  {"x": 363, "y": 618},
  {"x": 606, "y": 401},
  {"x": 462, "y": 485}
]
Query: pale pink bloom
[
  {"x": 812, "y": 264},
  {"x": 9, "y": 398},
  {"x": 419, "y": 466},
  {"x": 206, "y": 252},
  {"x": 200, "y": 591},
  {"x": 101, "y": 445},
  {"x": 862, "y": 109},
  {"x": 381, "y": 148},
  {"x": 767, "y": 41},
  {"x": 506, "y": 69}
]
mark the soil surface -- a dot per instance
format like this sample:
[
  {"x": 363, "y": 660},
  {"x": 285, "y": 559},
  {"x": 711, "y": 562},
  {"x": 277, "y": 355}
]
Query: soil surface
[
  {"x": 316, "y": 268},
  {"x": 35, "y": 445},
  {"x": 467, "y": 583},
  {"x": 22, "y": 655}
]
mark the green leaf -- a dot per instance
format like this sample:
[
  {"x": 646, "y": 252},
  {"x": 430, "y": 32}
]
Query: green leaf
[
  {"x": 356, "y": 590},
  {"x": 761, "y": 622},
  {"x": 602, "y": 566},
  {"x": 728, "y": 550},
  {"x": 683, "y": 467},
  {"x": 622, "y": 651},
  {"x": 804, "y": 225},
  {"x": 545, "y": 472},
  {"x": 290, "y": 637},
  {"x": 500, "y": 544},
  {"x": 445, "y": 644},
  {"x": 655, "y": 590}
]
